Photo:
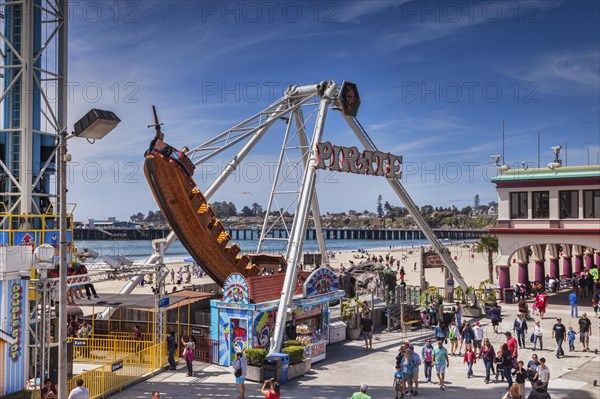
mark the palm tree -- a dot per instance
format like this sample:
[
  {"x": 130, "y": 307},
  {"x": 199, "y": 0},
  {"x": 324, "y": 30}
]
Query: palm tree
[{"x": 488, "y": 244}]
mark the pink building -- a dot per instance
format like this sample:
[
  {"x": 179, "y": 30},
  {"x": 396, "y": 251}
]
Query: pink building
[{"x": 546, "y": 216}]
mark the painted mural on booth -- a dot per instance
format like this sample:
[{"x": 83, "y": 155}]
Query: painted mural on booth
[{"x": 264, "y": 323}]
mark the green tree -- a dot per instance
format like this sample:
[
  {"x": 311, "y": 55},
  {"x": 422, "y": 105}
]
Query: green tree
[
  {"x": 246, "y": 211},
  {"x": 257, "y": 209},
  {"x": 427, "y": 209},
  {"x": 379, "y": 206},
  {"x": 488, "y": 244}
]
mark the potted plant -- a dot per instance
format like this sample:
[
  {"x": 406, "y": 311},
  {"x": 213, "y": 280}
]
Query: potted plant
[
  {"x": 351, "y": 312},
  {"x": 255, "y": 358},
  {"x": 299, "y": 365},
  {"x": 487, "y": 294}
]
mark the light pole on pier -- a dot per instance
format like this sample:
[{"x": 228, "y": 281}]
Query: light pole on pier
[{"x": 94, "y": 125}]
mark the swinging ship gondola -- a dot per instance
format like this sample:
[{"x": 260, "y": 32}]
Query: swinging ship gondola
[{"x": 169, "y": 173}]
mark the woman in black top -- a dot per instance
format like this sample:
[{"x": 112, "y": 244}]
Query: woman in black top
[
  {"x": 520, "y": 374},
  {"x": 507, "y": 364}
]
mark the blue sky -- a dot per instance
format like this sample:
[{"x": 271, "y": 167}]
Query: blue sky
[{"x": 436, "y": 78}]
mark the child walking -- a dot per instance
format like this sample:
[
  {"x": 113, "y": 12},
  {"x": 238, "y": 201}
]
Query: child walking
[
  {"x": 469, "y": 359},
  {"x": 571, "y": 336},
  {"x": 399, "y": 382},
  {"x": 498, "y": 365}
]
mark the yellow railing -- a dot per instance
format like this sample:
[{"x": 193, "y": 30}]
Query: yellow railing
[
  {"x": 105, "y": 350},
  {"x": 112, "y": 377},
  {"x": 124, "y": 335}
]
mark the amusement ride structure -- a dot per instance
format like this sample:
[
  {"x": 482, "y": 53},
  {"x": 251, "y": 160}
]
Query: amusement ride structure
[
  {"x": 34, "y": 210},
  {"x": 169, "y": 172}
]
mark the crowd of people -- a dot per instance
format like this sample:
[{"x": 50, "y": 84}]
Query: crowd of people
[{"x": 502, "y": 364}]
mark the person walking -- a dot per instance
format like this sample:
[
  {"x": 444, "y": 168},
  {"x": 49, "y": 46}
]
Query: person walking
[
  {"x": 468, "y": 337},
  {"x": 414, "y": 377},
  {"x": 532, "y": 367},
  {"x": 513, "y": 392},
  {"x": 79, "y": 392},
  {"x": 273, "y": 391},
  {"x": 487, "y": 354},
  {"x": 511, "y": 342},
  {"x": 520, "y": 374},
  {"x": 585, "y": 331},
  {"x": 520, "y": 328},
  {"x": 188, "y": 353},
  {"x": 367, "y": 327},
  {"x": 571, "y": 337},
  {"x": 440, "y": 331},
  {"x": 433, "y": 313},
  {"x": 538, "y": 392},
  {"x": 362, "y": 393},
  {"x": 427, "y": 357},
  {"x": 495, "y": 316},
  {"x": 398, "y": 383},
  {"x": 453, "y": 336},
  {"x": 469, "y": 359},
  {"x": 541, "y": 299},
  {"x": 559, "y": 332},
  {"x": 507, "y": 363},
  {"x": 477, "y": 336},
  {"x": 543, "y": 374},
  {"x": 459, "y": 314},
  {"x": 172, "y": 348},
  {"x": 538, "y": 332},
  {"x": 240, "y": 367},
  {"x": 441, "y": 361},
  {"x": 573, "y": 303}
]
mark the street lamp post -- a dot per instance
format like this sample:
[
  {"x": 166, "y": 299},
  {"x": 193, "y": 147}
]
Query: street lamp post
[
  {"x": 63, "y": 389},
  {"x": 94, "y": 125}
]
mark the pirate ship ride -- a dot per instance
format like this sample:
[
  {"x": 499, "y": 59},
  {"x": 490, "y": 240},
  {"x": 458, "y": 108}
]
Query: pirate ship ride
[{"x": 169, "y": 173}]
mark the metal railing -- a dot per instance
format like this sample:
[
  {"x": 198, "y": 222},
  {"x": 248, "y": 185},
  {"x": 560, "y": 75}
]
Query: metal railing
[
  {"x": 114, "y": 376},
  {"x": 105, "y": 350}
]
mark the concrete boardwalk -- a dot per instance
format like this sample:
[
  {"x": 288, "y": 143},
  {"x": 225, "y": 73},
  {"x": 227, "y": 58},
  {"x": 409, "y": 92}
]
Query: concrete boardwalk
[{"x": 348, "y": 365}]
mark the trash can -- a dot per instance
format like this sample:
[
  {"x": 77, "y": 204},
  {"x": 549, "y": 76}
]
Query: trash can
[
  {"x": 509, "y": 295},
  {"x": 271, "y": 368},
  {"x": 285, "y": 362}
]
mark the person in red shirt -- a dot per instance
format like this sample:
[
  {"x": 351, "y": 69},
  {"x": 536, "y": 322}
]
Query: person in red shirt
[
  {"x": 512, "y": 345},
  {"x": 541, "y": 300},
  {"x": 273, "y": 391},
  {"x": 469, "y": 359}
]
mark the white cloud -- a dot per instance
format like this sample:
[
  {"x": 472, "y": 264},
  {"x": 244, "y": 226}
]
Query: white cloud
[{"x": 566, "y": 72}]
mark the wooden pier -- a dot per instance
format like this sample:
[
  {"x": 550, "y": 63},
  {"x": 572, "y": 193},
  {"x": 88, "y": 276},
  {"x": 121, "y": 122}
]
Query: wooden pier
[{"x": 240, "y": 234}]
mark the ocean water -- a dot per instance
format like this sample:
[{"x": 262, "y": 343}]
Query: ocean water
[{"x": 140, "y": 250}]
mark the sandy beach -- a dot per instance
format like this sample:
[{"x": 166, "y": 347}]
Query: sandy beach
[{"x": 472, "y": 265}]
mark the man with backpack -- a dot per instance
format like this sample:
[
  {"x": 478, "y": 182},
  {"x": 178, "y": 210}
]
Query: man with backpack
[{"x": 520, "y": 328}]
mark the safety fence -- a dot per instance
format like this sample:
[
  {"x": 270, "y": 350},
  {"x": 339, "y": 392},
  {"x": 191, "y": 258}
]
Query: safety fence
[
  {"x": 127, "y": 335},
  {"x": 112, "y": 377},
  {"x": 105, "y": 350}
]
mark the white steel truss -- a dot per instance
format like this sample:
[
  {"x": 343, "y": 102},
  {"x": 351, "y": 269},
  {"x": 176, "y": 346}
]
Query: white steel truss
[
  {"x": 250, "y": 131},
  {"x": 33, "y": 68}
]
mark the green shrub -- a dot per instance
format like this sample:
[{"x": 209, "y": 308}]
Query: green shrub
[
  {"x": 296, "y": 354},
  {"x": 291, "y": 342},
  {"x": 255, "y": 356}
]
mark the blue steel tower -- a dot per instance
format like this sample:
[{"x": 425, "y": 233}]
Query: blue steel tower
[{"x": 33, "y": 109}]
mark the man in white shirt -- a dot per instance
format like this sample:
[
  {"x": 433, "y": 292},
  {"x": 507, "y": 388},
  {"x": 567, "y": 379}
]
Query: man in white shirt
[
  {"x": 79, "y": 392},
  {"x": 477, "y": 336}
]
